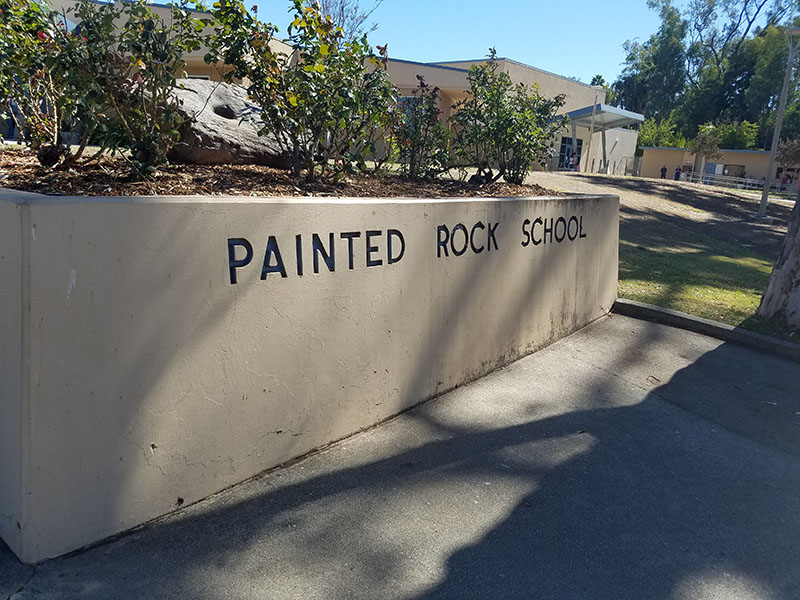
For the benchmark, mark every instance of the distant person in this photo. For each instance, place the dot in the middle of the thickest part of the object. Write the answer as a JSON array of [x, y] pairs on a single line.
[[664, 172], [572, 164], [677, 173]]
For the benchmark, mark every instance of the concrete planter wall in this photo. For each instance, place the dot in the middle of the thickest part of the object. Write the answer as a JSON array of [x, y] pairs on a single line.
[[148, 358]]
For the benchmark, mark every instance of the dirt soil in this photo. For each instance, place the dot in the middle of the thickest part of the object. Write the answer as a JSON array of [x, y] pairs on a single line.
[[21, 171]]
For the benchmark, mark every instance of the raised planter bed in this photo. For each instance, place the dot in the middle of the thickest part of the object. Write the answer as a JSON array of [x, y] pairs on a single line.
[[155, 350]]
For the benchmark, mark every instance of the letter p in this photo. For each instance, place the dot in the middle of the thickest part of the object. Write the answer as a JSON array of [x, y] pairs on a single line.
[[233, 263]]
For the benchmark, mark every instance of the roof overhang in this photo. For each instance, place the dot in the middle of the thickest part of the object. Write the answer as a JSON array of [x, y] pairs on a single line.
[[605, 117]]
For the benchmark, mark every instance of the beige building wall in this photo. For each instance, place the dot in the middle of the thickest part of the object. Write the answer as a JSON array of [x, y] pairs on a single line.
[[452, 82], [578, 95], [196, 68], [157, 381], [620, 151], [655, 158], [755, 163]]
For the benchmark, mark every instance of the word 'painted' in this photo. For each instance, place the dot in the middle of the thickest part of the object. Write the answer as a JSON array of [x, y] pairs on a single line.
[[379, 248], [459, 239], [548, 231]]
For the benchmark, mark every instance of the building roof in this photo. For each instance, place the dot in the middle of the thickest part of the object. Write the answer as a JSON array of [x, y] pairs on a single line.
[[605, 117], [521, 64], [431, 65], [727, 150]]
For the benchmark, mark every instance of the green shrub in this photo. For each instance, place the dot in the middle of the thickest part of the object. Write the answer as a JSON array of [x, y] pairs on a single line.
[[324, 102], [134, 57], [40, 89], [503, 125], [422, 140], [111, 78]]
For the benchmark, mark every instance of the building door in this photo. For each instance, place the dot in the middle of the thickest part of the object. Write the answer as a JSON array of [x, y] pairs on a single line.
[[565, 152]]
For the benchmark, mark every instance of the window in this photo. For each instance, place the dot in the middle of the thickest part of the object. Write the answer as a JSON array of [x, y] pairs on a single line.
[[734, 171]]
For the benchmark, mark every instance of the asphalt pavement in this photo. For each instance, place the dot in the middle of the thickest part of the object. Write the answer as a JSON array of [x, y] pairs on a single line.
[[629, 460]]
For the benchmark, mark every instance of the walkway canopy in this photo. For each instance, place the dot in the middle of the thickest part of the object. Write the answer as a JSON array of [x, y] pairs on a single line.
[[605, 117], [600, 118]]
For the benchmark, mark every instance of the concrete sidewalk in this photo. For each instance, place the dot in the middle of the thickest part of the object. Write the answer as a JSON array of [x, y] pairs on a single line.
[[630, 460]]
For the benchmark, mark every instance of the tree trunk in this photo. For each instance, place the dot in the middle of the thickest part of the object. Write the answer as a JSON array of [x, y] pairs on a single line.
[[781, 301]]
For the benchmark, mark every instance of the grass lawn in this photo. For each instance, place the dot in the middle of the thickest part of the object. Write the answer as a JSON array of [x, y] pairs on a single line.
[[673, 264], [691, 247]]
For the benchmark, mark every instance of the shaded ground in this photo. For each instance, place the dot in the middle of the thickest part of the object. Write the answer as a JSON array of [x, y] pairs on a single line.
[[630, 460], [718, 213], [691, 247]]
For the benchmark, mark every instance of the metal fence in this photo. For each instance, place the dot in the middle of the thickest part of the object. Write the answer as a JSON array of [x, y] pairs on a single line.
[[788, 189]]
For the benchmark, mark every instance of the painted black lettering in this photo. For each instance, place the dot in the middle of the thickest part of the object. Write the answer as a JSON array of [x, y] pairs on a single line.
[[268, 267], [491, 239], [298, 248], [327, 255], [572, 220], [372, 262], [563, 222], [548, 230], [478, 225], [527, 239], [533, 227], [389, 235], [350, 236], [441, 244], [233, 263], [459, 227], [583, 235]]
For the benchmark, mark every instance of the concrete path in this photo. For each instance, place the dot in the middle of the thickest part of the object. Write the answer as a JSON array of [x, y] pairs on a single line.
[[630, 460]]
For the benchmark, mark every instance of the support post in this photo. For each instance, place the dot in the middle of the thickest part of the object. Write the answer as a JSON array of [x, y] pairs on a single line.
[[591, 134], [605, 158]]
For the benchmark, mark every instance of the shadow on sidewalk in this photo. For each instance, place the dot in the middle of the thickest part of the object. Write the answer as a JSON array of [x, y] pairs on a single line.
[[625, 495]]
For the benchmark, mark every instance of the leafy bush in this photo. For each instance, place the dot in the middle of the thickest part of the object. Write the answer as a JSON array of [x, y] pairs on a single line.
[[39, 87], [135, 57], [422, 140], [111, 78], [324, 102], [504, 125]]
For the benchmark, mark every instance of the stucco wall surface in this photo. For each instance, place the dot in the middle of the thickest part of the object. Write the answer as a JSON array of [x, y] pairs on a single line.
[[155, 380], [11, 391]]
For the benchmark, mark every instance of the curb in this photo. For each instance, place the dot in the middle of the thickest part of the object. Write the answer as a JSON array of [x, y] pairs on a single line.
[[674, 318]]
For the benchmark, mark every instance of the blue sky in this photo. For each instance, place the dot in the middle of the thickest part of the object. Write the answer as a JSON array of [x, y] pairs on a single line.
[[577, 38]]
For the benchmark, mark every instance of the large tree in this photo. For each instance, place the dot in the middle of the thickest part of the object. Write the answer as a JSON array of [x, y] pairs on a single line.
[[713, 61], [781, 301], [350, 15], [654, 77]]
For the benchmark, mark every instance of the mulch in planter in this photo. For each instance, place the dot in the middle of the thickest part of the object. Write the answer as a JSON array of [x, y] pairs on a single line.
[[21, 171]]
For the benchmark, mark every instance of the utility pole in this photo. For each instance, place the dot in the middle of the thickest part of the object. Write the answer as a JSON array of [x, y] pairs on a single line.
[[762, 209]]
